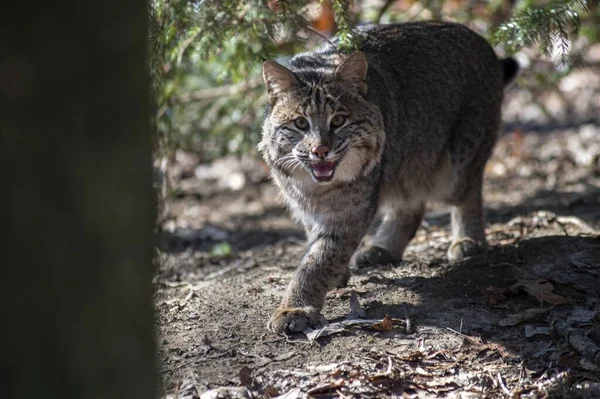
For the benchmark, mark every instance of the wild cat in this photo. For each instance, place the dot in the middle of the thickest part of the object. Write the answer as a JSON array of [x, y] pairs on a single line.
[[412, 116]]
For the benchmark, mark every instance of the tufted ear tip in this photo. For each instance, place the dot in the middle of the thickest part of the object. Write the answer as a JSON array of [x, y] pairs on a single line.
[[353, 69], [277, 77]]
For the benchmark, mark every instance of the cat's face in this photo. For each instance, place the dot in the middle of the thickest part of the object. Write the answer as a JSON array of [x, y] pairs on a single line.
[[325, 128]]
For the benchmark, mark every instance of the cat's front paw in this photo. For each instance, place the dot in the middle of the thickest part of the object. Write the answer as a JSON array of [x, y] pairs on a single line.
[[290, 320], [374, 255], [464, 247]]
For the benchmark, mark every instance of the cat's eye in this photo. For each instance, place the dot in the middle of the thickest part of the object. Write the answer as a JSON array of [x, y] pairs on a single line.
[[338, 120], [301, 123]]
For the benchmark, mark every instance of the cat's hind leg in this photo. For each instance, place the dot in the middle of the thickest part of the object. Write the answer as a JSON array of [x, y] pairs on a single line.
[[468, 224], [398, 226]]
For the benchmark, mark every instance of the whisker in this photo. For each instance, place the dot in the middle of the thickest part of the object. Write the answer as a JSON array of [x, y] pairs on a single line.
[[288, 163], [284, 158], [299, 164]]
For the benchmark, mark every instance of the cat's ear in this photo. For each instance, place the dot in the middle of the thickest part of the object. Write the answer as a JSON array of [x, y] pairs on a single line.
[[277, 78], [354, 70]]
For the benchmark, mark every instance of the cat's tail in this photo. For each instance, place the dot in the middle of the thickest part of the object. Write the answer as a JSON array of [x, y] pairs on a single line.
[[510, 66]]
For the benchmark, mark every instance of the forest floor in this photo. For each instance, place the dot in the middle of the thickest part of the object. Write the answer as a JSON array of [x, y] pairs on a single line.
[[521, 320]]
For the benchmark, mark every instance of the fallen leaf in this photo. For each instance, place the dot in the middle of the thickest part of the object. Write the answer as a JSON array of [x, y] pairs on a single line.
[[336, 373], [245, 375], [324, 368], [493, 295], [595, 332], [588, 364], [529, 314], [586, 260], [293, 394], [341, 326], [323, 331], [265, 360], [531, 331], [225, 392], [270, 391], [581, 316], [541, 290], [499, 348], [413, 356], [385, 325], [327, 387], [570, 360], [471, 340]]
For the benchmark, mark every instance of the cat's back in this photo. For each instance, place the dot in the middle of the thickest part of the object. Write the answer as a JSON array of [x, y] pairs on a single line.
[[422, 35], [431, 48], [415, 57]]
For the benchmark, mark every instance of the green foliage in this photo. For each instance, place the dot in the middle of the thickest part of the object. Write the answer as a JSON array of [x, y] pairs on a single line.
[[346, 41], [200, 45], [222, 250], [550, 27]]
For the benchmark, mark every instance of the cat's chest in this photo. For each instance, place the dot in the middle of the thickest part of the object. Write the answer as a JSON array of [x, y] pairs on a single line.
[[322, 205]]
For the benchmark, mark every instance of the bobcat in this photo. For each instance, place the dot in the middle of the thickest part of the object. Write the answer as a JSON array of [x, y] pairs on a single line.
[[412, 116]]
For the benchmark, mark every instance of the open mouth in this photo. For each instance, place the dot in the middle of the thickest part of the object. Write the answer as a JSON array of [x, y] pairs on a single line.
[[322, 170]]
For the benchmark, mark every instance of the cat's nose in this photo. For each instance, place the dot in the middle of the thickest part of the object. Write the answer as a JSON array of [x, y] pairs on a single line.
[[320, 151]]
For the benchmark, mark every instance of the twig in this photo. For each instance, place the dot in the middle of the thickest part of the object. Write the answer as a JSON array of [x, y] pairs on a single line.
[[472, 340], [386, 372], [187, 298], [195, 383], [322, 36], [502, 385], [177, 389], [323, 388], [216, 92], [455, 332], [577, 222], [419, 7], [406, 318], [383, 10], [176, 284], [225, 270], [187, 42], [341, 394], [577, 340], [194, 360]]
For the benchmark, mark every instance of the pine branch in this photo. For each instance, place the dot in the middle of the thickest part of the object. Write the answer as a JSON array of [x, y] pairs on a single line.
[[551, 28], [217, 92], [346, 40]]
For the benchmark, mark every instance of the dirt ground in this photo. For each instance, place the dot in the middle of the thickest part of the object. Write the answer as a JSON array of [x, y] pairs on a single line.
[[521, 320]]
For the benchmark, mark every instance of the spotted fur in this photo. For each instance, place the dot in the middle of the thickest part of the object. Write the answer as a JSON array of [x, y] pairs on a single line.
[[420, 104]]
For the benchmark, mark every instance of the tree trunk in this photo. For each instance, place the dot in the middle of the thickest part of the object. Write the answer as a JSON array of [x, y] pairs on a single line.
[[77, 201]]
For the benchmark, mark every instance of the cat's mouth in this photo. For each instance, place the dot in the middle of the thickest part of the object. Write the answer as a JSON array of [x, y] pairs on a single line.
[[322, 171]]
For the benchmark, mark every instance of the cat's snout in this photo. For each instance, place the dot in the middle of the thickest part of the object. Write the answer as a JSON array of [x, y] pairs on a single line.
[[320, 151]]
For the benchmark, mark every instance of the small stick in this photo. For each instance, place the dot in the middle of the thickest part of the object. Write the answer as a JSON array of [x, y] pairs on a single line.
[[406, 317], [387, 372], [341, 394], [389, 369], [502, 385], [577, 222]]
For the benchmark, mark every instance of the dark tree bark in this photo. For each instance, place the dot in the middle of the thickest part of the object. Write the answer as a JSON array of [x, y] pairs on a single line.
[[77, 201]]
